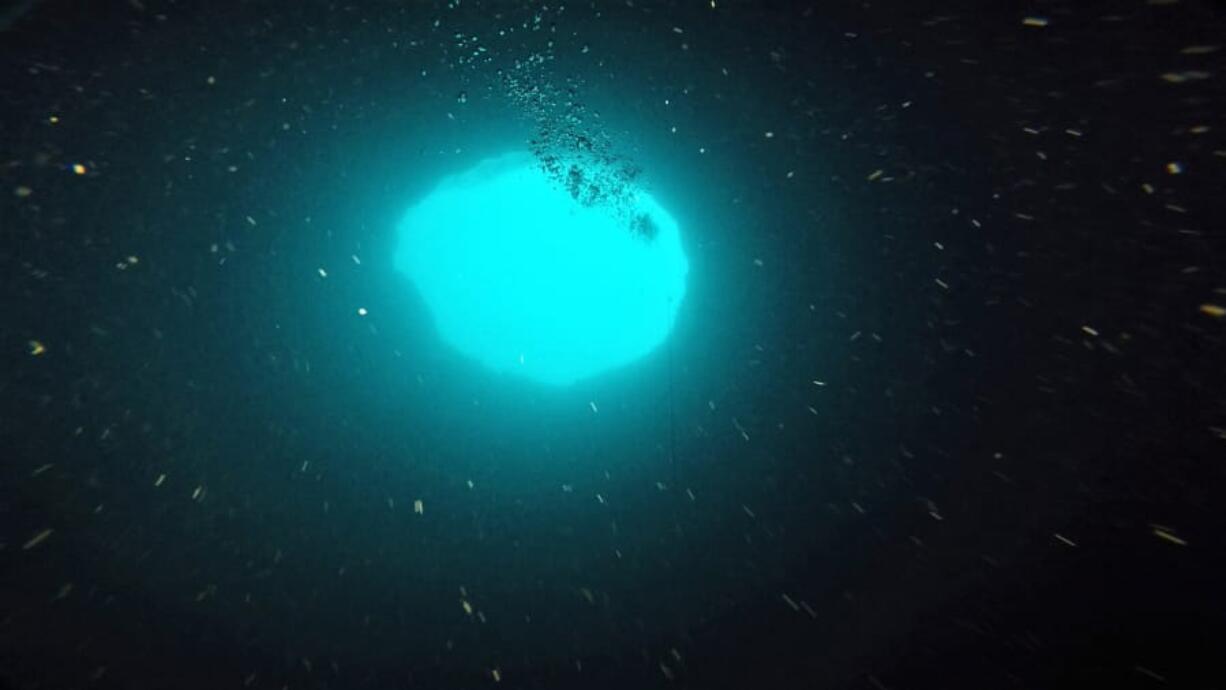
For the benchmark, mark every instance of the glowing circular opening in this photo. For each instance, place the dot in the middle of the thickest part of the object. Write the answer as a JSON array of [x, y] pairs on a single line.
[[555, 277]]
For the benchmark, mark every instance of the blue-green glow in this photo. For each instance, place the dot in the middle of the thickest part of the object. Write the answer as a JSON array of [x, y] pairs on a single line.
[[529, 277]]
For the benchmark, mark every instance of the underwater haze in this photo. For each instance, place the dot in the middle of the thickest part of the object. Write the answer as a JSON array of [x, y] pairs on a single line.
[[630, 344]]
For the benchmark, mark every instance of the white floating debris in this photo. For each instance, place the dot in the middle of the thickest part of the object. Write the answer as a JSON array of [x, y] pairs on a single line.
[[788, 600], [37, 539], [592, 404], [323, 273], [160, 480], [740, 429], [1165, 534], [1184, 77], [362, 311], [419, 507]]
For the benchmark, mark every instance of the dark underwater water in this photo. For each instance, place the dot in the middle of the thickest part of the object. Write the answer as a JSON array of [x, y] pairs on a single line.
[[943, 406]]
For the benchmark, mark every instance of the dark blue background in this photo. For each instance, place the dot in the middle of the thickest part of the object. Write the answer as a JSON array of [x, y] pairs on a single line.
[[915, 512]]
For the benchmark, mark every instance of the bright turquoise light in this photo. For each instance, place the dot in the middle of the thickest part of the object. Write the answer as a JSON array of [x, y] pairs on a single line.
[[526, 274]]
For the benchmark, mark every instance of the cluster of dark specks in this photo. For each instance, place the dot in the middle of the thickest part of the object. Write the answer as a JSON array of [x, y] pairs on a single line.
[[576, 155], [644, 227]]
